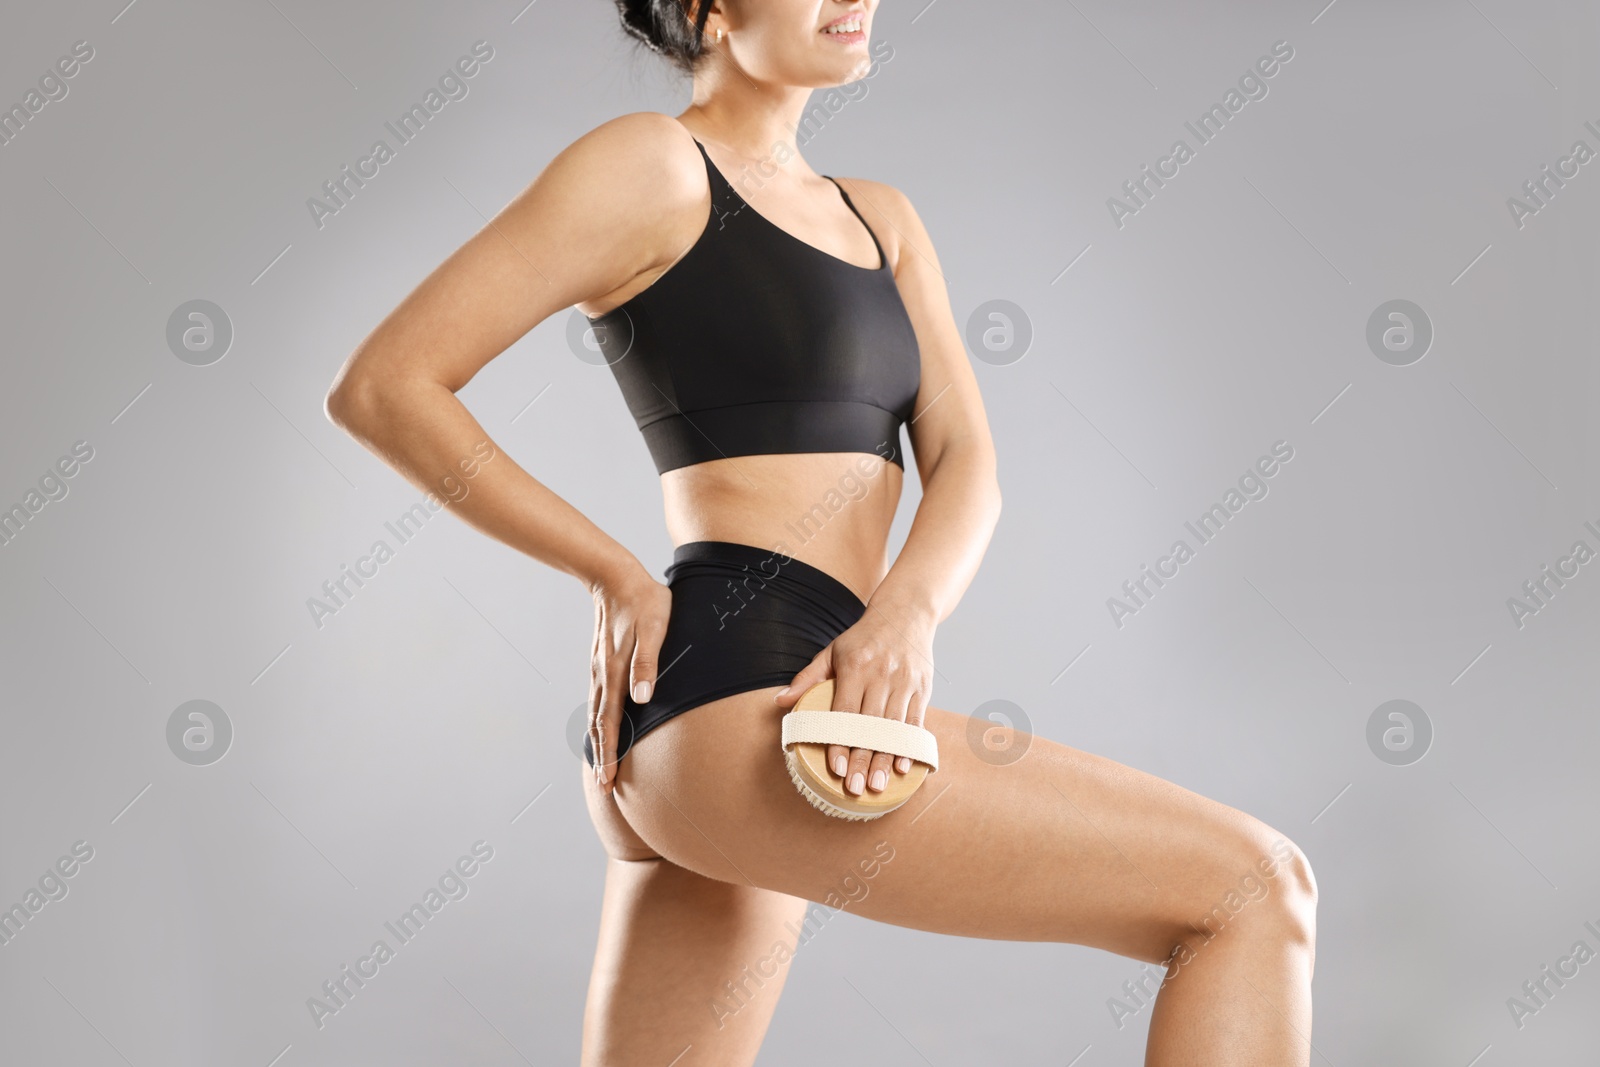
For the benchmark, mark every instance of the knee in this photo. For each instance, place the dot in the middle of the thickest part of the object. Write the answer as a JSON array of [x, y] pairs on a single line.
[[1287, 895], [1264, 884], [1296, 890]]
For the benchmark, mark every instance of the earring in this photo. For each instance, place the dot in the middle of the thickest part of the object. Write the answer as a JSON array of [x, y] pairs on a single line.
[[719, 34]]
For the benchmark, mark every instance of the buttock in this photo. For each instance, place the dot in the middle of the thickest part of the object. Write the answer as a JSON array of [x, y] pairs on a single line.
[[742, 618]]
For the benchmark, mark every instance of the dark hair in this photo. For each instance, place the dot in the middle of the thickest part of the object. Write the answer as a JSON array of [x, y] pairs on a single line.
[[663, 26]]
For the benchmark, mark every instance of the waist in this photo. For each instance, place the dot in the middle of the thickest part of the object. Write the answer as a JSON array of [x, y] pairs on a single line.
[[831, 510], [679, 438]]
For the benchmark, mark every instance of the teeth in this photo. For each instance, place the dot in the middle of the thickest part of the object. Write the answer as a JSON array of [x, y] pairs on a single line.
[[844, 27]]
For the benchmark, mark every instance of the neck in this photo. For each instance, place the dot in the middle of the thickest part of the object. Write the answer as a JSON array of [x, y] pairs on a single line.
[[758, 122]]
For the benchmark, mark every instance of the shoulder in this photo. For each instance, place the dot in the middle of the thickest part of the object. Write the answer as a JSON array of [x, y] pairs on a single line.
[[884, 199], [628, 196], [639, 133], [890, 212], [644, 153]]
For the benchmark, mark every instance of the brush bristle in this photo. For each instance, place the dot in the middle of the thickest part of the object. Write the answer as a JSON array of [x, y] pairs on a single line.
[[821, 803]]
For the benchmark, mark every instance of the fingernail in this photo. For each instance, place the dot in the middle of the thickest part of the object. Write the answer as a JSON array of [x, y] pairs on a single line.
[[840, 765], [856, 781], [784, 691], [903, 765], [879, 779], [641, 692]]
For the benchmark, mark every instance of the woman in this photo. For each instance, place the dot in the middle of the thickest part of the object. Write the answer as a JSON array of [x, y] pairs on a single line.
[[770, 349]]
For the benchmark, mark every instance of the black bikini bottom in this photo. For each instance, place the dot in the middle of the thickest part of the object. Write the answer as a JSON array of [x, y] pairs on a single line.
[[742, 618]]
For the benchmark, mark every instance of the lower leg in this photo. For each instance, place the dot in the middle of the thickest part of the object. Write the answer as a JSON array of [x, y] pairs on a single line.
[[1240, 994]]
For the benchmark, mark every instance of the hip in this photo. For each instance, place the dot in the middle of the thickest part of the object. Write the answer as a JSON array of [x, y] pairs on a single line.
[[742, 618]]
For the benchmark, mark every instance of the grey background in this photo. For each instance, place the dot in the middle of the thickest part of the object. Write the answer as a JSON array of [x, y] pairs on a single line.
[[1226, 315]]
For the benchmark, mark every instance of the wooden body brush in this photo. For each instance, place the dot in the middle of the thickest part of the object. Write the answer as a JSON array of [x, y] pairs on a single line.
[[811, 726]]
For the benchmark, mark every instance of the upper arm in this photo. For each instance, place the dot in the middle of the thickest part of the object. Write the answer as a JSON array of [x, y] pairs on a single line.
[[613, 204], [949, 409]]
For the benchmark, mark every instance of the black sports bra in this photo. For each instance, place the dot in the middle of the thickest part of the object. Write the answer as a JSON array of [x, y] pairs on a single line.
[[755, 342]]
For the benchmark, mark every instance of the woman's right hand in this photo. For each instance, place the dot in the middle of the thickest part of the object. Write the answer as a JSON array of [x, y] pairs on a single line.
[[630, 622]]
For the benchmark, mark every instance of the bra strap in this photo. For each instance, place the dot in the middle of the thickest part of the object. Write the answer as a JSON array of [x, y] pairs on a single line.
[[715, 177], [883, 257]]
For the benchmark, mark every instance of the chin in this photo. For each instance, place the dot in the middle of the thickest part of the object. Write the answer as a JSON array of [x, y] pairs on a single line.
[[843, 72]]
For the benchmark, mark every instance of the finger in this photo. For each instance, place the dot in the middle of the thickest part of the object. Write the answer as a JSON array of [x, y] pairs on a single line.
[[899, 707], [875, 697], [592, 727], [646, 657], [917, 713], [847, 694], [849, 689], [616, 679], [600, 734], [603, 720], [878, 771], [856, 781], [846, 697], [819, 669], [838, 755], [606, 730], [871, 703], [917, 709]]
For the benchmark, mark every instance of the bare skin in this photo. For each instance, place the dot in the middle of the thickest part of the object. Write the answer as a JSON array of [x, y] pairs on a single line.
[[713, 855]]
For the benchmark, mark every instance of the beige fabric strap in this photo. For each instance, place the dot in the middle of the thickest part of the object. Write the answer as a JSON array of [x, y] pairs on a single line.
[[854, 730]]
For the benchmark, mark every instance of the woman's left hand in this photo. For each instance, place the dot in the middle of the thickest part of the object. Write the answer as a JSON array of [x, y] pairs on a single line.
[[879, 666]]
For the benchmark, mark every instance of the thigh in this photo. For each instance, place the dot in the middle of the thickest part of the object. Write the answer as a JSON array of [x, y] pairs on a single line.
[[1059, 845], [687, 969]]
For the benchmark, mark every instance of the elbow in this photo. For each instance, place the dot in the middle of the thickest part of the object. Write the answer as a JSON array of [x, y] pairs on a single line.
[[339, 407], [346, 402], [976, 469], [991, 473]]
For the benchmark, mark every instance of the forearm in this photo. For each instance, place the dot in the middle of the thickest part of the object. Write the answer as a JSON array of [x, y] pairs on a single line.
[[423, 431], [949, 535]]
